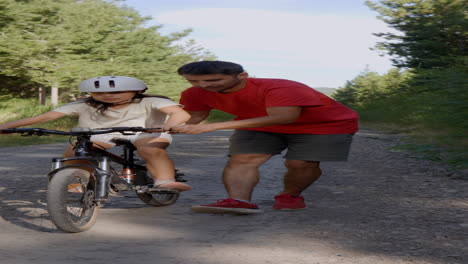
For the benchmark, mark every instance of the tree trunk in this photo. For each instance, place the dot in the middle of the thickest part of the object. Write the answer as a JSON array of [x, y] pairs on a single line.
[[42, 95], [54, 96]]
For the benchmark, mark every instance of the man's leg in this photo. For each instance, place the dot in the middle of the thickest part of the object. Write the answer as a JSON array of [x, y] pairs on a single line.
[[240, 177], [241, 174], [300, 175]]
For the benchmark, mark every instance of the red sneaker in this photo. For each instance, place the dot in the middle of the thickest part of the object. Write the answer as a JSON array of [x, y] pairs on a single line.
[[227, 206], [289, 202]]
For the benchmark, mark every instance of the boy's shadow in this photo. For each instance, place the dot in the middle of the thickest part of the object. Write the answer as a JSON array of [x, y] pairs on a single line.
[[25, 205]]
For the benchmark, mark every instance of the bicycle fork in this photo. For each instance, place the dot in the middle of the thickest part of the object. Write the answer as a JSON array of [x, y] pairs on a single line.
[[102, 172], [103, 179]]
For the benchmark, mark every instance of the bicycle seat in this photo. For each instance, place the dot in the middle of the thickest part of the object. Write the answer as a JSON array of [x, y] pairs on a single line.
[[122, 142]]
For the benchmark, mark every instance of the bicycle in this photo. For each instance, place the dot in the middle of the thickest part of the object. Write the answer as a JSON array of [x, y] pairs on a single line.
[[76, 191]]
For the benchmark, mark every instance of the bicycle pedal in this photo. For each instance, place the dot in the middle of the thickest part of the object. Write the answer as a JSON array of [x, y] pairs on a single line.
[[161, 191]]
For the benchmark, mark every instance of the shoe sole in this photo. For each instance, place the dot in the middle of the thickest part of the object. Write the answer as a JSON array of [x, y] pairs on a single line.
[[289, 209], [224, 210]]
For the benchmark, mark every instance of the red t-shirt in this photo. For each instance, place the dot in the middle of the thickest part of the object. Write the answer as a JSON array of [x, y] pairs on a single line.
[[320, 114]]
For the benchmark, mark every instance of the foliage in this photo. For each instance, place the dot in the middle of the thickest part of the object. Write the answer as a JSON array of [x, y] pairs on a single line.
[[369, 87], [15, 108], [425, 97], [431, 33], [406, 103], [218, 116], [61, 42]]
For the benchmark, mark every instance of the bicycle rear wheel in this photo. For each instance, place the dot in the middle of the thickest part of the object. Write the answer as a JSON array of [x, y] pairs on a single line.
[[70, 197], [159, 198], [156, 198]]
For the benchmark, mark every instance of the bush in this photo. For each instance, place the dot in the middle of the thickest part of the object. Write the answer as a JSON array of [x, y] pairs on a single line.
[[13, 109]]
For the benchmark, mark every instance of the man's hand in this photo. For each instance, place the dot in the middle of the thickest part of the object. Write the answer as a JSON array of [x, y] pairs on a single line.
[[154, 130], [193, 129]]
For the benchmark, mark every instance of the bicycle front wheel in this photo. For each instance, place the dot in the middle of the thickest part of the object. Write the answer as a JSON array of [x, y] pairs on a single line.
[[70, 200]]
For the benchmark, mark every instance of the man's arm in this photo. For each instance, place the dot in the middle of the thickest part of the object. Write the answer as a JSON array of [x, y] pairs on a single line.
[[276, 116]]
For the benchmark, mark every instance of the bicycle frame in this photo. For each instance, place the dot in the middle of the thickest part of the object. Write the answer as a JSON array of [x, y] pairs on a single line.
[[77, 185], [100, 159]]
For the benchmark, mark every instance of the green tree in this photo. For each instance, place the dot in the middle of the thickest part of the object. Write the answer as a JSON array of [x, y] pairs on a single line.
[[370, 87], [58, 43], [431, 33]]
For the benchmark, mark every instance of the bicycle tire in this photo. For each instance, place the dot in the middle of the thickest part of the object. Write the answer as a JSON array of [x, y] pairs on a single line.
[[70, 203], [157, 199]]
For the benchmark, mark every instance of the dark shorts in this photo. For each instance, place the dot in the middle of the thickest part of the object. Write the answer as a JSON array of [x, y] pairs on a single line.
[[299, 146]]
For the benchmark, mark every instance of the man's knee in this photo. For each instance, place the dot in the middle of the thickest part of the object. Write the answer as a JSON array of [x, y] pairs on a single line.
[[301, 164]]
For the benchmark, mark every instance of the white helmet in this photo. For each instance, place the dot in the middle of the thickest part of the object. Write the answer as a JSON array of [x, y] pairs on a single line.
[[112, 84]]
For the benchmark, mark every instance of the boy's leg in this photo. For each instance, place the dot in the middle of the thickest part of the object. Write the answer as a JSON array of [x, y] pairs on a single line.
[[68, 153], [158, 162]]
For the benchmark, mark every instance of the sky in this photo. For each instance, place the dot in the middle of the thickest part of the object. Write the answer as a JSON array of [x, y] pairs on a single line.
[[321, 43]]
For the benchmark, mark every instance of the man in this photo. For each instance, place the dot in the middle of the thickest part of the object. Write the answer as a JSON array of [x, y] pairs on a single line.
[[271, 115]]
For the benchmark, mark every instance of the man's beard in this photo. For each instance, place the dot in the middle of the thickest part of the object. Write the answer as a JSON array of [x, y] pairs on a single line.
[[234, 83]]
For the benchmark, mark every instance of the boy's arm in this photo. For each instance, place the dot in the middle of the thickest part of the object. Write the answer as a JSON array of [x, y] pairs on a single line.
[[46, 117], [176, 114], [197, 116]]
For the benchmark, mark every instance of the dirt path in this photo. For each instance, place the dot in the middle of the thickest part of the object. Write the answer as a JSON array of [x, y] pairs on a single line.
[[381, 207]]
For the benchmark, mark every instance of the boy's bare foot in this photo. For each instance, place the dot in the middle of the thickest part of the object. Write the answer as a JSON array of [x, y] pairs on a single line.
[[172, 185]]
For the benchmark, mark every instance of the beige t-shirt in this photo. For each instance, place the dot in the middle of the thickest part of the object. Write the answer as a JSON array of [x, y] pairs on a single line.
[[140, 114]]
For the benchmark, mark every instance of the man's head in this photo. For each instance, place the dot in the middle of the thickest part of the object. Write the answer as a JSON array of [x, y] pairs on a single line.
[[214, 76], [210, 67]]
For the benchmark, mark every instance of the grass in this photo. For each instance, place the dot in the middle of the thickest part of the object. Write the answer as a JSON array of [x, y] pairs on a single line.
[[17, 140], [13, 109], [446, 145], [434, 123]]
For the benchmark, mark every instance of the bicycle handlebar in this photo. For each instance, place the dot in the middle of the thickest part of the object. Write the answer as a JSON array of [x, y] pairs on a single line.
[[79, 131]]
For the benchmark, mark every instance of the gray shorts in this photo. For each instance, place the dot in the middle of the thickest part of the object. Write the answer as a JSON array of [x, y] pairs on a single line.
[[308, 147]]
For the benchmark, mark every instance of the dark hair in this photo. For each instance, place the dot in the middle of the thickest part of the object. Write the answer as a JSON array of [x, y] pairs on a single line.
[[101, 107], [210, 67]]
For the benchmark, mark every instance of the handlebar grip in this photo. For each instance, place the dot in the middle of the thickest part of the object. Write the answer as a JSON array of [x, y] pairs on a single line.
[[17, 130]]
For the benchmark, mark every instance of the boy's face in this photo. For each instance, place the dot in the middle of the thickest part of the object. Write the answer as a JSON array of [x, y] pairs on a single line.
[[113, 97], [221, 83]]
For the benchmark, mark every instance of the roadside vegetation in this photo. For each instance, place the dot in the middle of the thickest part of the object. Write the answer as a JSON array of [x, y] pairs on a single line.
[[47, 47], [17, 108], [425, 96]]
